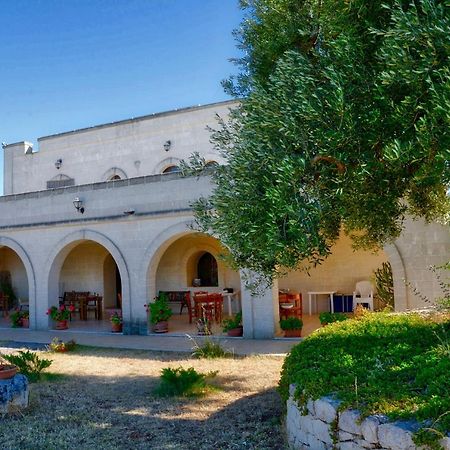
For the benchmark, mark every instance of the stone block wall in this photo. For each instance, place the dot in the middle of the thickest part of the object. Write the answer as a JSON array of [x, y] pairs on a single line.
[[322, 426]]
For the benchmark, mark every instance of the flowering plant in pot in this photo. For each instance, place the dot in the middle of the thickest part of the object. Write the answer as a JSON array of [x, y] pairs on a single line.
[[6, 370], [60, 315], [116, 322], [19, 318], [292, 326], [233, 327], [160, 313]]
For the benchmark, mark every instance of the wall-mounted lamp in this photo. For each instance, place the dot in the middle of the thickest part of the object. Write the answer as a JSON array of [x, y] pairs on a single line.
[[58, 163], [129, 212], [167, 145], [78, 205]]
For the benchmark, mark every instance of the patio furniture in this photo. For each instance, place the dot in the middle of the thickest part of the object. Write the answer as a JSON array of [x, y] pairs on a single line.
[[291, 305], [182, 297], [312, 295], [4, 304], [204, 305], [363, 294], [231, 296], [94, 303], [217, 299]]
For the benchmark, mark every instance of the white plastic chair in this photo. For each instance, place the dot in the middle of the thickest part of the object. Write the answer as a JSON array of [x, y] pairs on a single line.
[[363, 294]]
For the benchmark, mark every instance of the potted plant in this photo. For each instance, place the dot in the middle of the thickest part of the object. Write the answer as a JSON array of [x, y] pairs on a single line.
[[6, 370], [328, 317], [60, 315], [233, 327], [160, 313], [19, 319], [292, 326], [116, 322]]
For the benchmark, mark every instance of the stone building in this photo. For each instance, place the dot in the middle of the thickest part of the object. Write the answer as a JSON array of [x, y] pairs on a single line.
[[103, 209]]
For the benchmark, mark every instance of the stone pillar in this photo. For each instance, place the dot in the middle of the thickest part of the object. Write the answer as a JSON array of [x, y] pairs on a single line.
[[260, 311]]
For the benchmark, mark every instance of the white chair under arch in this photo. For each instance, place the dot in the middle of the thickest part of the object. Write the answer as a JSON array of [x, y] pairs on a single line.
[[363, 294]]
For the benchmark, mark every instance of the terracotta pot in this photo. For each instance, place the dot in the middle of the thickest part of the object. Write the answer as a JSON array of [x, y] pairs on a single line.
[[293, 333], [25, 323], [7, 371], [61, 325], [235, 332], [116, 327], [161, 327]]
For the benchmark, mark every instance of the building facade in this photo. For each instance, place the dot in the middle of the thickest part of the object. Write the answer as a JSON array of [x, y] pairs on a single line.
[[104, 210]]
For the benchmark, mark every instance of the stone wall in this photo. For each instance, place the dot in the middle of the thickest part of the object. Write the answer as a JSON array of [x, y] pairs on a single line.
[[322, 426]]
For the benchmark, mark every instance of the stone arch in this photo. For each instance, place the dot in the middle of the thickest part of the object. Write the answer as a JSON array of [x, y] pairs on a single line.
[[59, 253], [14, 245], [113, 173], [165, 163], [401, 293], [155, 251]]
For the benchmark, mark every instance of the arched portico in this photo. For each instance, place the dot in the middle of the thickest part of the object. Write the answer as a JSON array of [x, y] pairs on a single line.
[[65, 246], [31, 278]]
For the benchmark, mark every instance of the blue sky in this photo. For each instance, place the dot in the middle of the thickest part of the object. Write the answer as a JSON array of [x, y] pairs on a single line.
[[68, 64]]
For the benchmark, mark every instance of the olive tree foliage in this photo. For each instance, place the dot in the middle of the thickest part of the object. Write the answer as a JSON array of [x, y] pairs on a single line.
[[343, 124]]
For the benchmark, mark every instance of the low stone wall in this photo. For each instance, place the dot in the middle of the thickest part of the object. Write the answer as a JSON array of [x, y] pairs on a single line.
[[13, 394], [322, 426]]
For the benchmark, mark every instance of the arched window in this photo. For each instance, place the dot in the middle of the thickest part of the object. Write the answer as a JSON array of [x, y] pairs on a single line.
[[115, 177], [211, 164], [171, 169], [207, 270]]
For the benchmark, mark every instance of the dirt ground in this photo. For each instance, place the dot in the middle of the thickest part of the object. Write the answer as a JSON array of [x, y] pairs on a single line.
[[103, 399]]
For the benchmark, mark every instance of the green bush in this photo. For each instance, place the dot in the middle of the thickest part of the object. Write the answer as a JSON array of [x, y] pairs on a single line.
[[183, 382], [328, 317], [234, 322], [29, 364], [210, 350], [291, 323], [392, 364]]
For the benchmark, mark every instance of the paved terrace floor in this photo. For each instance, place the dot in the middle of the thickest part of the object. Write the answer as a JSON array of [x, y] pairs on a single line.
[[165, 343]]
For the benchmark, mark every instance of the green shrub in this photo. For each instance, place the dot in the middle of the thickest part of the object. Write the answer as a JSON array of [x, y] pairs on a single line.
[[59, 346], [328, 317], [384, 283], [29, 364], [183, 382], [391, 364], [210, 350], [234, 322], [291, 323]]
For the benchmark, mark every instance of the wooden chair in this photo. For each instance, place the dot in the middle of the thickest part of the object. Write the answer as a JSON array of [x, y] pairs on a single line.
[[4, 304], [217, 299], [202, 305]]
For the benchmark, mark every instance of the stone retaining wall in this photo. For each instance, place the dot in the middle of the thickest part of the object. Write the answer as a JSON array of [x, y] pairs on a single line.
[[321, 426]]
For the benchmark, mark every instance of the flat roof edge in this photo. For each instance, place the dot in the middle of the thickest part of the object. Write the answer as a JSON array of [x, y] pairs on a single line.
[[135, 119]]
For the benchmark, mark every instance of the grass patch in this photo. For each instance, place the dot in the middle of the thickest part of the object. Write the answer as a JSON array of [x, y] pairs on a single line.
[[181, 382], [397, 365], [209, 350]]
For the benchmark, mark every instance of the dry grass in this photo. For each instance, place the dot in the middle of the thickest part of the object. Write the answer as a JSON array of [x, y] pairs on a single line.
[[102, 399]]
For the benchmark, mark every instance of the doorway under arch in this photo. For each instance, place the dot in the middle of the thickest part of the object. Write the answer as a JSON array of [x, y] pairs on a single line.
[[86, 266], [14, 284]]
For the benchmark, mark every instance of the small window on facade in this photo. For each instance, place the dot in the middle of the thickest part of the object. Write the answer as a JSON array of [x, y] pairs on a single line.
[[207, 270], [115, 177], [171, 169], [211, 164]]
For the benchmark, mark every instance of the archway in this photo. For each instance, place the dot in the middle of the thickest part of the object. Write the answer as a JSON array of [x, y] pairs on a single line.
[[87, 261], [174, 267], [17, 281]]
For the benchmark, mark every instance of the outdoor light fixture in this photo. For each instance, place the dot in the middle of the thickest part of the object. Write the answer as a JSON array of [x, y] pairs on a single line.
[[167, 145], [78, 205], [58, 163]]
